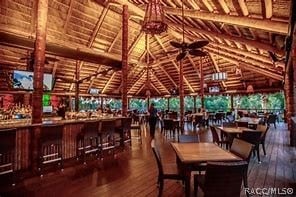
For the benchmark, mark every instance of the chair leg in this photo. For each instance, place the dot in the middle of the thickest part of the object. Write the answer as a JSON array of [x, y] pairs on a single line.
[[195, 185], [263, 147], [160, 188], [245, 180], [258, 154]]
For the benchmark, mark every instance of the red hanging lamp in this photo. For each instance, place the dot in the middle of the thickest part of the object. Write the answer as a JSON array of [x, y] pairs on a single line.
[[154, 18]]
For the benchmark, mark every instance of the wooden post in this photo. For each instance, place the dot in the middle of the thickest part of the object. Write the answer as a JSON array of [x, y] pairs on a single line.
[[102, 103], [148, 103], [77, 76], [124, 58], [168, 103], [194, 104], [42, 9], [201, 84], [27, 99], [181, 92], [231, 102]]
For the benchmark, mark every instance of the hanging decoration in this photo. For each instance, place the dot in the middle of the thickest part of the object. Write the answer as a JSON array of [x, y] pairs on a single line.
[[154, 18]]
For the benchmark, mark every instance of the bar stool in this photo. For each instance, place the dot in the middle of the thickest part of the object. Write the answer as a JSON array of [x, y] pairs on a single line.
[[51, 137], [88, 140], [106, 134], [7, 152], [126, 129]]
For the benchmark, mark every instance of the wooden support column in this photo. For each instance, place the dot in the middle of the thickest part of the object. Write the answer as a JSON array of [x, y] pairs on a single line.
[[42, 9], [27, 99], [148, 103], [124, 58], [194, 103], [181, 91], [77, 76], [231, 102], [201, 84], [102, 103], [70, 103], [289, 95], [168, 103]]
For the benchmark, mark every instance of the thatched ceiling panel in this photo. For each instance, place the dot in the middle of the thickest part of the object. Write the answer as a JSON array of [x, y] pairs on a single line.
[[281, 8], [78, 21], [254, 7]]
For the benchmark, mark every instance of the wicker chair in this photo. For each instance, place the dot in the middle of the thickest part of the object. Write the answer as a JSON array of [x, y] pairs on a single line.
[[164, 171], [7, 153], [221, 179], [243, 150]]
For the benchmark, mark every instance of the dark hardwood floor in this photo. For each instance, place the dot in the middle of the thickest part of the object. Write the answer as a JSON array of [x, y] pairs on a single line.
[[134, 171]]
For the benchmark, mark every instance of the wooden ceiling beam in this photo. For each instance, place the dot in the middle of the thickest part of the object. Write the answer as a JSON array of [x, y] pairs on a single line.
[[68, 14], [93, 79], [266, 25], [135, 42], [137, 80], [194, 66], [169, 76], [244, 41], [208, 6], [155, 88]]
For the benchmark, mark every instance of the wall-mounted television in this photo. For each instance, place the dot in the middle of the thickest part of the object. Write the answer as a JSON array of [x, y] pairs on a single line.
[[94, 91], [24, 80], [214, 89]]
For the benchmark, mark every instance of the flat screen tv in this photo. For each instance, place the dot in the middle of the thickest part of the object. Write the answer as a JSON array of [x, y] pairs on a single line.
[[214, 89], [94, 91], [24, 80]]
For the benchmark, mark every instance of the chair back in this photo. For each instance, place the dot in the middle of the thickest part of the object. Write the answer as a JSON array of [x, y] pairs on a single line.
[[168, 124], [214, 134], [242, 149], [252, 137], [7, 140], [52, 133], [188, 139], [242, 124], [224, 178], [157, 157], [271, 118], [107, 126], [264, 129], [90, 129]]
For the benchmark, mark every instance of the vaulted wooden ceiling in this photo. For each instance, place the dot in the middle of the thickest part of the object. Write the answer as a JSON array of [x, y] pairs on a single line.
[[240, 32]]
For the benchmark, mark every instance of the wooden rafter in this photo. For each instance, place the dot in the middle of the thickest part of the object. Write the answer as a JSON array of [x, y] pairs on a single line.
[[93, 79], [108, 82], [266, 25], [266, 8], [208, 6], [167, 74], [216, 68], [136, 41], [253, 43], [239, 61], [243, 7], [68, 14], [193, 65], [174, 63], [163, 86], [137, 80], [224, 6]]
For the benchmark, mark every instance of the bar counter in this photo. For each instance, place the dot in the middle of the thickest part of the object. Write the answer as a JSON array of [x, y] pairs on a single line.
[[24, 137]]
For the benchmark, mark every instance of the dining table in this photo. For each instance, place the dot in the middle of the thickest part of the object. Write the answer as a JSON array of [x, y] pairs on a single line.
[[189, 154]]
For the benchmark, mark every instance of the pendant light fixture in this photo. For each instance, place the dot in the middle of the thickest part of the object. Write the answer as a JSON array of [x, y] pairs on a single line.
[[154, 18]]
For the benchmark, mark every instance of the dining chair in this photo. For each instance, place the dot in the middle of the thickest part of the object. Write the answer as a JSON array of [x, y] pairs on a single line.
[[51, 137], [272, 120], [188, 138], [165, 171], [8, 153], [216, 138], [242, 124], [254, 138], [264, 129], [221, 179], [88, 140], [168, 126], [242, 149]]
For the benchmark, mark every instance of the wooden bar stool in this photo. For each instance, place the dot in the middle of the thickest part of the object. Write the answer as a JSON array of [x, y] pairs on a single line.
[[88, 140], [106, 134], [7, 153], [51, 146]]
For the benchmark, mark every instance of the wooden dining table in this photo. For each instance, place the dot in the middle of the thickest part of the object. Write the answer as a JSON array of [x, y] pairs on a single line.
[[251, 121], [234, 130], [195, 153]]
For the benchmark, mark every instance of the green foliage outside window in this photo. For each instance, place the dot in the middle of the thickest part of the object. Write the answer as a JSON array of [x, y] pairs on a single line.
[[139, 104], [175, 104], [160, 103], [217, 103]]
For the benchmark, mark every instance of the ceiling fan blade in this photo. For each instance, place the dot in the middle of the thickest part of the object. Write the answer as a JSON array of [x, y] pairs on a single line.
[[273, 56], [198, 44], [197, 52], [181, 56], [176, 44]]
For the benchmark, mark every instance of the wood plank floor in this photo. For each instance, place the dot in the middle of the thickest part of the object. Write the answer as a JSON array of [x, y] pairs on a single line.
[[134, 171]]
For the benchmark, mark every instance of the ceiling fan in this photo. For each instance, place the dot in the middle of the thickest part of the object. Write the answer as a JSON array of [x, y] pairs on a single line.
[[184, 48]]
